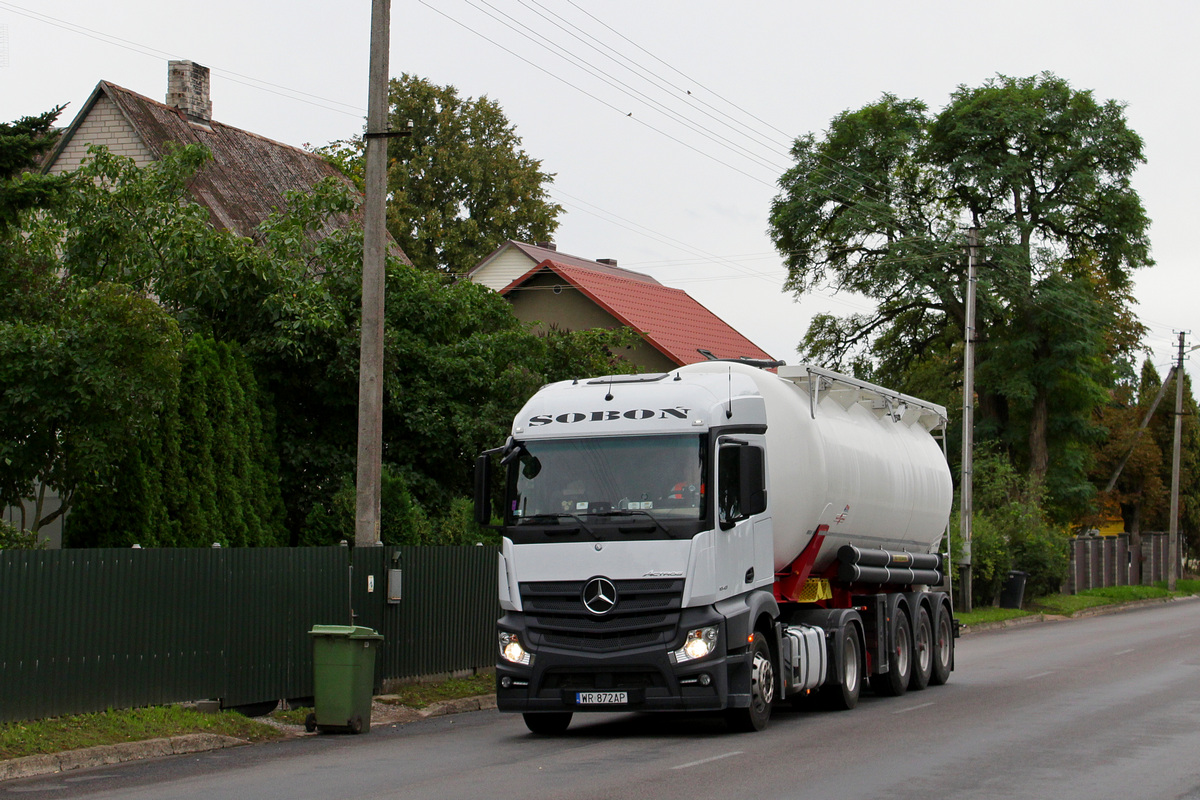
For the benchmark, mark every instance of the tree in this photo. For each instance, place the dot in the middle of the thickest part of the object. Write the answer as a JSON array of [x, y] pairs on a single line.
[[457, 361], [22, 145], [878, 207], [78, 388], [206, 473], [459, 185]]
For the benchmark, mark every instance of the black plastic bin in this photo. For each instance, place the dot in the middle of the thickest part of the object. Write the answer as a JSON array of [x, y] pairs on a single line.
[[1012, 593]]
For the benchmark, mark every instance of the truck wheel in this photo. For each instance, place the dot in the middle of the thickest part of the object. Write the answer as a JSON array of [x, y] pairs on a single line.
[[922, 651], [943, 648], [549, 724], [762, 690], [894, 682], [843, 696]]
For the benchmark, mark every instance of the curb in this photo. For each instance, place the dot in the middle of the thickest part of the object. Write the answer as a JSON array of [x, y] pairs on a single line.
[[102, 755], [459, 706]]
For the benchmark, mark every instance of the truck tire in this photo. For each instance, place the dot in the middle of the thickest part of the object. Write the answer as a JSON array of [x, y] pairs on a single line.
[[548, 724], [894, 682], [943, 648], [762, 690], [843, 695], [922, 651]]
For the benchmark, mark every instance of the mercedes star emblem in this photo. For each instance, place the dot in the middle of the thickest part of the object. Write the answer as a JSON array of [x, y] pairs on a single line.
[[599, 596]]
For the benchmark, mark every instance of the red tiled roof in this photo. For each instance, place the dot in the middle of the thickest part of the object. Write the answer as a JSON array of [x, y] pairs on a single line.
[[669, 319]]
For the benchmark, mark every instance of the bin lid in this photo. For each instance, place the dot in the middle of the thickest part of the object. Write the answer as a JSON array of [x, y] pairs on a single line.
[[345, 631]]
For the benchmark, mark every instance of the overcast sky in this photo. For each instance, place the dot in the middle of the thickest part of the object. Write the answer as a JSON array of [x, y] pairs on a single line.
[[669, 183]]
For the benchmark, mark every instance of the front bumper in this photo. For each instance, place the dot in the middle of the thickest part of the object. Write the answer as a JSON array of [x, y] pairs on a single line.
[[646, 674]]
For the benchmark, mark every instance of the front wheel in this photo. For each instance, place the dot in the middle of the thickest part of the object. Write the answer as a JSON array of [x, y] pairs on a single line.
[[548, 724], [762, 690]]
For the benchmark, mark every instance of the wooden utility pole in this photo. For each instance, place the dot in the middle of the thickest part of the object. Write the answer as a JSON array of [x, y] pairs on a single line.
[[1173, 535], [966, 504], [1135, 533], [370, 375]]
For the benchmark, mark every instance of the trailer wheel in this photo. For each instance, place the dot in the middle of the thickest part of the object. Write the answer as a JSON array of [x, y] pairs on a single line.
[[762, 690], [548, 724], [894, 682], [843, 696], [922, 651], [943, 648]]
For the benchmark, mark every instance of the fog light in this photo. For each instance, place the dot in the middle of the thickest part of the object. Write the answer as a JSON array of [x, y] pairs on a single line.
[[705, 679], [506, 682]]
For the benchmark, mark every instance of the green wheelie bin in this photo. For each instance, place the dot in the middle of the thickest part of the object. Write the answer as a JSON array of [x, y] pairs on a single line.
[[343, 677]]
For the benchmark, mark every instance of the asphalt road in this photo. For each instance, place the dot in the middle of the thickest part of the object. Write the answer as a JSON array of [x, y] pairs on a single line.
[[1104, 707]]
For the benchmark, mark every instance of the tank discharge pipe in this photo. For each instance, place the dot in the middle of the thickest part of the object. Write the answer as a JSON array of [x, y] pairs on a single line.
[[886, 566]]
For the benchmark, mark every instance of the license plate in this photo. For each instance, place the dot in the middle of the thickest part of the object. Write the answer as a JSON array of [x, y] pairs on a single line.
[[601, 698]]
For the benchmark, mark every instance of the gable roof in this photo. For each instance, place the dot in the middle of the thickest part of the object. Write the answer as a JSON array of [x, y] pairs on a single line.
[[669, 319], [248, 174]]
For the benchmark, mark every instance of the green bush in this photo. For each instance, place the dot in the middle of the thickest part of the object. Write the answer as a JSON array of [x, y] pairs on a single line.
[[1010, 531], [403, 521], [13, 538]]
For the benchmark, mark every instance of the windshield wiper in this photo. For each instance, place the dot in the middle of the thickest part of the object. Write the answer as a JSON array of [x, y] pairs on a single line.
[[555, 517], [627, 512]]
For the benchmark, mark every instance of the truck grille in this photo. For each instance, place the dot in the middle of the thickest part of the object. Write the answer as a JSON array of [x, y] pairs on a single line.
[[646, 613]]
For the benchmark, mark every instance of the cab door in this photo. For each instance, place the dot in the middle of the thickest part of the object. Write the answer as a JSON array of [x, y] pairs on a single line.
[[742, 534]]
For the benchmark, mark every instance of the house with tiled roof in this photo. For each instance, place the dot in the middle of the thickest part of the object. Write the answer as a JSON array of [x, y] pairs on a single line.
[[572, 293], [243, 183]]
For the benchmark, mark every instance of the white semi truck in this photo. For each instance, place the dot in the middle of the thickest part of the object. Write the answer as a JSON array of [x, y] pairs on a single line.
[[720, 537]]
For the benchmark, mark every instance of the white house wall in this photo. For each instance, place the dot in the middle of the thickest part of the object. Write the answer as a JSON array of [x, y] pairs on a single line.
[[103, 126], [504, 268]]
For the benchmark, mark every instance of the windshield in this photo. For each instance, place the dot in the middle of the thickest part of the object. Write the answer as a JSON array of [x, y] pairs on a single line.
[[660, 477]]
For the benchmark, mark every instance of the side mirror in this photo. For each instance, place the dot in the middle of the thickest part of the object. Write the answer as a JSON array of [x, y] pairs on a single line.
[[483, 487], [753, 490]]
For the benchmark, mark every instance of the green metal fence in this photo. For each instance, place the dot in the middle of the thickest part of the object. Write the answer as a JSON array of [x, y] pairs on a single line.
[[86, 630]]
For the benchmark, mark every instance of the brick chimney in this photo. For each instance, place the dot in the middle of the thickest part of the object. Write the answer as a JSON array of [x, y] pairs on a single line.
[[187, 90]]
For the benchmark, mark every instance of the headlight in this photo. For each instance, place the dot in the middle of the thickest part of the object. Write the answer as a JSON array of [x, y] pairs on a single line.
[[512, 651], [698, 644]]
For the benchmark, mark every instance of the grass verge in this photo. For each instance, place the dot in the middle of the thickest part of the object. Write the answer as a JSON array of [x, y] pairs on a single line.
[[1068, 604], [422, 695], [131, 725]]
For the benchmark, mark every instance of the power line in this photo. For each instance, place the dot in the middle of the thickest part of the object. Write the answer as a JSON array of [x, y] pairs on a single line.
[[152, 52]]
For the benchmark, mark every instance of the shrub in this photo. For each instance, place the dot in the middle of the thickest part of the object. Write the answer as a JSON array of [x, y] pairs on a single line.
[[403, 521], [13, 538]]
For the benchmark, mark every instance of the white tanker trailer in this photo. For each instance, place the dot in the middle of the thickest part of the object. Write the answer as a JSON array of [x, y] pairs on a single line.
[[718, 537]]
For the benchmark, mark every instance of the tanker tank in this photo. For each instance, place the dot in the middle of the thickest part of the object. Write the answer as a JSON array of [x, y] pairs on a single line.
[[851, 456]]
